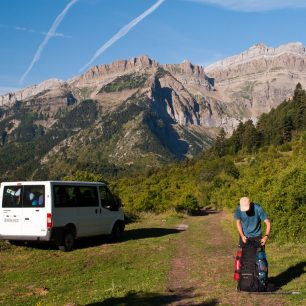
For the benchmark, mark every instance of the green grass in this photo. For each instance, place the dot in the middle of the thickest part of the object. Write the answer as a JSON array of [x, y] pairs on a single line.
[[94, 272], [136, 271]]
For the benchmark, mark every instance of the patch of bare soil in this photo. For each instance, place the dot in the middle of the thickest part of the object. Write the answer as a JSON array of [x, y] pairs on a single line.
[[202, 270]]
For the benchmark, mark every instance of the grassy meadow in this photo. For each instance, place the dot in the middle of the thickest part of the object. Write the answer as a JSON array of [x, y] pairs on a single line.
[[95, 271], [139, 269]]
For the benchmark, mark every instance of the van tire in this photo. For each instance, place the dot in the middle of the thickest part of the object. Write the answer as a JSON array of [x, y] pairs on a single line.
[[67, 242], [117, 231]]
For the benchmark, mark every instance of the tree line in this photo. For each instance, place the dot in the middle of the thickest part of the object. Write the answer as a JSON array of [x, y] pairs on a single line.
[[274, 128]]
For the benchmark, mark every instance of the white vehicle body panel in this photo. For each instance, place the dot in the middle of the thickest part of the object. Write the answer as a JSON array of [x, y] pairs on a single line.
[[23, 214]]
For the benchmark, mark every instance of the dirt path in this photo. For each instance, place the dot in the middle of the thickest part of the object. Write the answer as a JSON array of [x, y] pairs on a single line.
[[202, 271]]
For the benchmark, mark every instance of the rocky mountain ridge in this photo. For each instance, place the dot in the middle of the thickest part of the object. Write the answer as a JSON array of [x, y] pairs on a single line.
[[136, 110], [261, 77], [264, 53]]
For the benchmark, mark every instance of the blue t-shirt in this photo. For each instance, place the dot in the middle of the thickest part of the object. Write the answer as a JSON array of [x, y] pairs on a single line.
[[251, 220]]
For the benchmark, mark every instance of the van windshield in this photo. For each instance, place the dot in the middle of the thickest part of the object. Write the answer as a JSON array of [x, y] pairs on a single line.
[[23, 196]]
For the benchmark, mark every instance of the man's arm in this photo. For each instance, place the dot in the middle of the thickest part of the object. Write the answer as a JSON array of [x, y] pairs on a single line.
[[266, 236], [239, 228]]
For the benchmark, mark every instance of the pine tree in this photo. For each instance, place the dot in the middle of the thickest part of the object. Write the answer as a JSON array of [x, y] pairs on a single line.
[[236, 139], [220, 146], [299, 105], [250, 137], [286, 129]]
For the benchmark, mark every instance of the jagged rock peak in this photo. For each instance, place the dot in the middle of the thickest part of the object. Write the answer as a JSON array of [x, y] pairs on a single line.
[[258, 51], [187, 68], [120, 66], [261, 49]]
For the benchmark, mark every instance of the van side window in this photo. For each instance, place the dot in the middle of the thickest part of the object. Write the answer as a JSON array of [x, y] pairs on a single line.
[[34, 196], [107, 200], [12, 197], [88, 196], [75, 196], [65, 196], [24, 196]]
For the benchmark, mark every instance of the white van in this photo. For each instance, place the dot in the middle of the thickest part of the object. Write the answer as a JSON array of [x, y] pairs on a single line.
[[58, 211]]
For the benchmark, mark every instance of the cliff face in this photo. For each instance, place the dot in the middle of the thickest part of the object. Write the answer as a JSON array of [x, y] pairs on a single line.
[[260, 58], [261, 77], [140, 110]]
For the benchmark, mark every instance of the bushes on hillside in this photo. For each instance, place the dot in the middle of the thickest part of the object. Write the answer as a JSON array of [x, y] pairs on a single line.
[[188, 205], [278, 183], [270, 177]]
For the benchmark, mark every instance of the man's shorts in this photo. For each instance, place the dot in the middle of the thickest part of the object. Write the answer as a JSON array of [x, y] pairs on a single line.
[[257, 239]]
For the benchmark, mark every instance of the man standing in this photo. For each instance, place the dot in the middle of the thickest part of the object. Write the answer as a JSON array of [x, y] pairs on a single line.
[[248, 216], [253, 266]]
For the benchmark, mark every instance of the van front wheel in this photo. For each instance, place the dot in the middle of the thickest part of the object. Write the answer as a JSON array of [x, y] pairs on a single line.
[[117, 232], [67, 242]]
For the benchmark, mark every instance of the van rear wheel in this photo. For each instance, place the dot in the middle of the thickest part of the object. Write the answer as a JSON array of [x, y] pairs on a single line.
[[67, 242]]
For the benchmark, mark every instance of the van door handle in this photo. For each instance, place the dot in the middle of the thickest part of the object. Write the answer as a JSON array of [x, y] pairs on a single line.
[[36, 209], [96, 210], [26, 218]]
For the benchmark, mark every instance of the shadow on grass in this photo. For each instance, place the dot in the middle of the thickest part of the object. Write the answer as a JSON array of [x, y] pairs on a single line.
[[134, 234], [143, 233], [287, 276], [83, 243], [152, 299], [210, 212], [206, 212]]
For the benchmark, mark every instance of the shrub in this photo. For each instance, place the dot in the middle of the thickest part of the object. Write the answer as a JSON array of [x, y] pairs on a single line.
[[84, 176], [285, 147], [189, 205]]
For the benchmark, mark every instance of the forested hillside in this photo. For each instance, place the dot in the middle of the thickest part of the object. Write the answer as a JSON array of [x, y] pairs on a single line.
[[275, 128]]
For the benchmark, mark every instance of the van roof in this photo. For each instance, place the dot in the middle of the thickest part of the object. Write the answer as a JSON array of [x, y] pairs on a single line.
[[53, 182]]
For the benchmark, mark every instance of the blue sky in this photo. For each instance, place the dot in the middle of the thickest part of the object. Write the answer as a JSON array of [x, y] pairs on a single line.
[[43, 39]]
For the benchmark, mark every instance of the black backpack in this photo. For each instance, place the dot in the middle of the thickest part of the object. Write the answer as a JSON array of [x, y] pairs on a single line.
[[250, 279]]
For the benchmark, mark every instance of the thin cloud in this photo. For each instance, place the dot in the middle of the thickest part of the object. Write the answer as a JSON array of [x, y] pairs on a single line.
[[56, 34], [122, 32], [23, 29], [255, 5], [50, 34]]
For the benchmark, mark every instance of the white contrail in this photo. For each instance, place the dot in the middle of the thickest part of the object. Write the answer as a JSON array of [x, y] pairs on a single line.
[[123, 31], [50, 34]]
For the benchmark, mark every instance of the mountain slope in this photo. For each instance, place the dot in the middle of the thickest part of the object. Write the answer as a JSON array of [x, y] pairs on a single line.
[[138, 112], [261, 77]]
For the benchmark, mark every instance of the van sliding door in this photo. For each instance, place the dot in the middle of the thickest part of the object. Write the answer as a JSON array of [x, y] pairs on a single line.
[[88, 210]]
